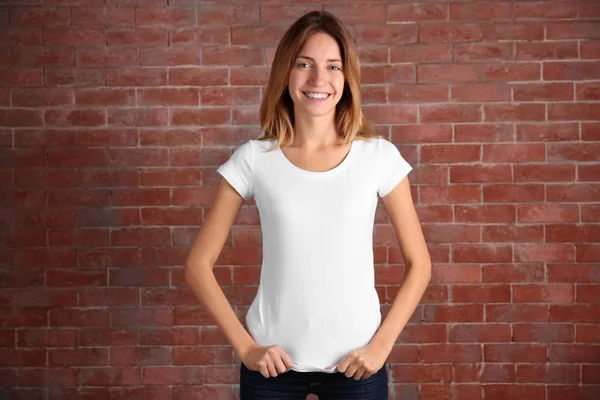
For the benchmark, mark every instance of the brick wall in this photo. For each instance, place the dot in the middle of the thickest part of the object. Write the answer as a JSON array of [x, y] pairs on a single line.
[[113, 120]]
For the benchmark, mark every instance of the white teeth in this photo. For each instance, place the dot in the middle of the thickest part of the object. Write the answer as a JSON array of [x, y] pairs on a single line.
[[317, 95]]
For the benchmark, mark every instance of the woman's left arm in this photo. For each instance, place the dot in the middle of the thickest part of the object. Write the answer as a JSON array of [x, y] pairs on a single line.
[[399, 205]]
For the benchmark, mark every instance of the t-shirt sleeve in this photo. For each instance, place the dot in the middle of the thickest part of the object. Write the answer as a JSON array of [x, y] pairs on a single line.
[[238, 170], [393, 167]]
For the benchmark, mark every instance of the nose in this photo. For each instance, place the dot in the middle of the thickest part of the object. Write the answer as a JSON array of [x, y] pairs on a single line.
[[317, 77]]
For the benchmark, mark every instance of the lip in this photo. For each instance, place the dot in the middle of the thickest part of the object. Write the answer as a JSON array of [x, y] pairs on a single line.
[[316, 100]]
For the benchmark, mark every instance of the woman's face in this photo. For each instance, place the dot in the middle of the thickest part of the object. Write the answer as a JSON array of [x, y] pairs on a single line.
[[317, 81]]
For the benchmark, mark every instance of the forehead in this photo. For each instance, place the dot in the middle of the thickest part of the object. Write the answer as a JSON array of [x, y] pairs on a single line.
[[321, 45]]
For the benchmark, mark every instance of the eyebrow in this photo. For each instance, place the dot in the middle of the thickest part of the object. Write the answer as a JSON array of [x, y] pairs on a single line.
[[312, 59]]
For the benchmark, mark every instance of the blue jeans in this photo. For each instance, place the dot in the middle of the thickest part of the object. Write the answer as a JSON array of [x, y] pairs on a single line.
[[293, 385]]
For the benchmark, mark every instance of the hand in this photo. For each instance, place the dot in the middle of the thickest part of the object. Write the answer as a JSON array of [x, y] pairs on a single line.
[[364, 362], [270, 361]]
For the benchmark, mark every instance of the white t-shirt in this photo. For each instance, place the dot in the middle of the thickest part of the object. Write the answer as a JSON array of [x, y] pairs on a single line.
[[316, 297]]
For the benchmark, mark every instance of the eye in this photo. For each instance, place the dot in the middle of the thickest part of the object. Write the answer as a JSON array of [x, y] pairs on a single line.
[[302, 64], [336, 68]]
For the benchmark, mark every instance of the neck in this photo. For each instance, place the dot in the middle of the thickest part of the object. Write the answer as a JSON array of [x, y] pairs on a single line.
[[315, 132]]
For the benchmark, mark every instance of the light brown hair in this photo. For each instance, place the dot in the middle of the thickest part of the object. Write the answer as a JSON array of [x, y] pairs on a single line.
[[277, 107]]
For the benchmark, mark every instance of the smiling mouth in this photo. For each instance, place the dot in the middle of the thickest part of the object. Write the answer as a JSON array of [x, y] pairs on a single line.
[[320, 96]]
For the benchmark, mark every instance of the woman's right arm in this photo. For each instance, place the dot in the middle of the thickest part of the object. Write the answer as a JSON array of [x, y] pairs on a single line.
[[199, 274]]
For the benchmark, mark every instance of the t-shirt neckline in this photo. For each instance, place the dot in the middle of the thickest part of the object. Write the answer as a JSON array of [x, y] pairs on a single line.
[[329, 172]]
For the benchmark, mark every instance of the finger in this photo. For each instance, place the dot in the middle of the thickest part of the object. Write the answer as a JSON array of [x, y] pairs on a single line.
[[287, 360], [263, 371], [279, 365], [359, 373], [272, 370], [351, 370], [343, 365]]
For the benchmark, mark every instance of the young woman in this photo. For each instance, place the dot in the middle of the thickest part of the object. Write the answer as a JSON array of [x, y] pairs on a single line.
[[315, 173]]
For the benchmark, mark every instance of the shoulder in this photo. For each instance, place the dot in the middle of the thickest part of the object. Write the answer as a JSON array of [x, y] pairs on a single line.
[[375, 146]]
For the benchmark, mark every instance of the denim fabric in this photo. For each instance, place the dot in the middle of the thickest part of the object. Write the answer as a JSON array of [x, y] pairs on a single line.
[[294, 385]]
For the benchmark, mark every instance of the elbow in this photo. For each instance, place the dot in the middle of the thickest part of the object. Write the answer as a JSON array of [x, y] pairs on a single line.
[[194, 269]]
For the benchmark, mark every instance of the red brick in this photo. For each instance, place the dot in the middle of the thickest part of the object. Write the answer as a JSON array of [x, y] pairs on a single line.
[[173, 375], [421, 53], [102, 17], [80, 394], [485, 373], [480, 11], [77, 357], [66, 277], [44, 377], [105, 97], [209, 35], [587, 293], [78, 318], [499, 392], [74, 77], [115, 297], [124, 356], [572, 30], [141, 197], [21, 37], [137, 77], [516, 312], [47, 337], [421, 373], [170, 336], [481, 253], [545, 50], [543, 92], [416, 12], [543, 332], [20, 118], [447, 73], [449, 32], [479, 333], [287, 14], [450, 113], [217, 14], [386, 34], [107, 337], [23, 317], [41, 97], [39, 16], [202, 355], [169, 56], [502, 72], [140, 393], [516, 273], [512, 31], [198, 76], [573, 353], [46, 298], [107, 57], [74, 36], [587, 333], [22, 357], [454, 313], [135, 276], [33, 56], [137, 37], [138, 117], [165, 16], [138, 157], [107, 257], [515, 352], [110, 376], [163, 256], [75, 117], [30, 77], [142, 317], [573, 70]]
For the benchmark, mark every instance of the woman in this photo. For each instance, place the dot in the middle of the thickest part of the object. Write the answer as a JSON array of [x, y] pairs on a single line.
[[316, 173]]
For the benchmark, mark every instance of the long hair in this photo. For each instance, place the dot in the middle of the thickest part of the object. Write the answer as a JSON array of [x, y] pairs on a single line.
[[277, 107]]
